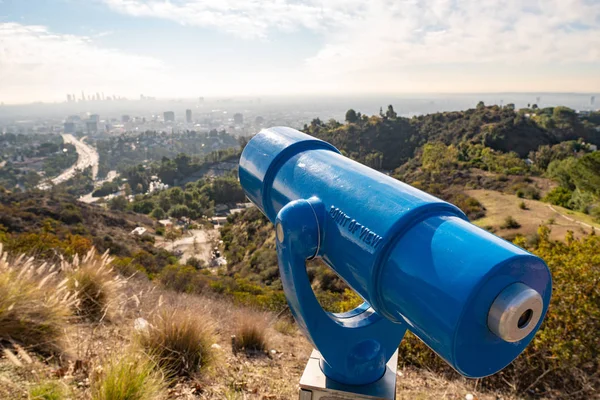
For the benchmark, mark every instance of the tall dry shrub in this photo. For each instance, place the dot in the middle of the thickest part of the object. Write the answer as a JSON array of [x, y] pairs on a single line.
[[97, 285], [35, 304], [179, 341]]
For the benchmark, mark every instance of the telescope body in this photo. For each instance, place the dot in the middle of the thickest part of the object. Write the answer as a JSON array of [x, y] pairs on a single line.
[[475, 299]]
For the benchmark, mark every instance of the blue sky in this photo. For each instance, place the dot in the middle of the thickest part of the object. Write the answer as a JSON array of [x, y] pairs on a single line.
[[188, 48]]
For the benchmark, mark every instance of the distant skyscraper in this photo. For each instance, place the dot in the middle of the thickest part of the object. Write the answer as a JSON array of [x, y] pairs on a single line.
[[91, 126], [238, 119], [200, 99], [125, 118], [169, 116], [82, 96], [69, 127], [188, 116], [95, 118], [68, 98]]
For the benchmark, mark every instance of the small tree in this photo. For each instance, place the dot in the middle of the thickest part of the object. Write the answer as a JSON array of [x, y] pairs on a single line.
[[180, 211], [158, 213], [118, 203], [390, 113], [351, 116]]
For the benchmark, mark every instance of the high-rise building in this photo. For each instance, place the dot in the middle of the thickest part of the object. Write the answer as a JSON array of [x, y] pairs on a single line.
[[188, 116], [95, 118], [68, 98], [169, 116], [91, 126], [82, 96], [238, 119], [125, 118], [69, 127]]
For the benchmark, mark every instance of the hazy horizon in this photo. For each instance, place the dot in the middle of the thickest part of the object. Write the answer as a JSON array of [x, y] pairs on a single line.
[[193, 48], [301, 109]]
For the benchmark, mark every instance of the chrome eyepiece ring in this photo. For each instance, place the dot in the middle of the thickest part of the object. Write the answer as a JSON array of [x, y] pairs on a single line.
[[515, 312]]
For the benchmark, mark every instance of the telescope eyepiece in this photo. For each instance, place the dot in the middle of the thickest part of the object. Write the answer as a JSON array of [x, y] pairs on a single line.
[[515, 312]]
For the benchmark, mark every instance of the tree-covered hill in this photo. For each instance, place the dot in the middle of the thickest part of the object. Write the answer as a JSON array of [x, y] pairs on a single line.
[[49, 225], [386, 141]]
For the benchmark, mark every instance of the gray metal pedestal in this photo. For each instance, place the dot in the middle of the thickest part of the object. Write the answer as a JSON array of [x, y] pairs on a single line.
[[314, 385]]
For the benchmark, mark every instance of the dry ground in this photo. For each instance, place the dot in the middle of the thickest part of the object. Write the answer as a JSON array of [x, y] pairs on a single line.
[[560, 220], [272, 376]]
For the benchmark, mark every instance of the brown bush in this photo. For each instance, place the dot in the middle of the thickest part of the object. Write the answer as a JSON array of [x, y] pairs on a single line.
[[34, 304], [97, 286], [250, 334], [178, 341]]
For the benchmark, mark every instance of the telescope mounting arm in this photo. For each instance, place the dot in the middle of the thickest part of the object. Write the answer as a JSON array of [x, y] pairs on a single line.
[[355, 346]]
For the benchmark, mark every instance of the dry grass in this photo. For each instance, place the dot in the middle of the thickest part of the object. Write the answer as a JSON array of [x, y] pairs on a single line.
[[179, 341], [500, 205], [97, 286], [224, 374], [251, 334], [49, 390], [285, 326], [34, 305], [132, 376]]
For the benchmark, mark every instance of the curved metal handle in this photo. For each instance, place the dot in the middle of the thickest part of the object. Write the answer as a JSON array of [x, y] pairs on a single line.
[[355, 346]]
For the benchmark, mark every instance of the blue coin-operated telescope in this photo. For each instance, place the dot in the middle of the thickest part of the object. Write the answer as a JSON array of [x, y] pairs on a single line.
[[475, 299]]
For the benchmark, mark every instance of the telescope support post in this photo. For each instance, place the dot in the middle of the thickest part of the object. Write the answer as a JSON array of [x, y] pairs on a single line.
[[314, 384]]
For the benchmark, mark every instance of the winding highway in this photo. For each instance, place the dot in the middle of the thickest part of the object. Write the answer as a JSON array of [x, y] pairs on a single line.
[[87, 157]]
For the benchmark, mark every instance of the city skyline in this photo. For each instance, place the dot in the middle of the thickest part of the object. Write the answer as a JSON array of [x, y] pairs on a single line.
[[191, 48]]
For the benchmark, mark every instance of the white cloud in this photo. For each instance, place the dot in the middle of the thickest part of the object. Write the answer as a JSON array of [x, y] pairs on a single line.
[[248, 18], [409, 33], [36, 63], [386, 41]]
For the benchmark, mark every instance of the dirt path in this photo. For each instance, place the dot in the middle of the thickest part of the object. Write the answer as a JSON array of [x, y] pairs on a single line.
[[195, 243], [570, 219]]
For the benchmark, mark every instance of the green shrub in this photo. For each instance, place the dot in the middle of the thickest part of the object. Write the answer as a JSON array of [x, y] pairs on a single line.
[[50, 390], [195, 262], [285, 326], [523, 206], [178, 341], [131, 377], [510, 223], [469, 205], [559, 196], [183, 278], [158, 213]]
